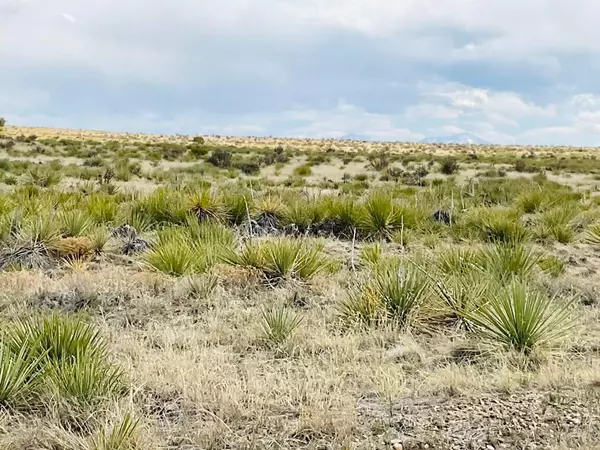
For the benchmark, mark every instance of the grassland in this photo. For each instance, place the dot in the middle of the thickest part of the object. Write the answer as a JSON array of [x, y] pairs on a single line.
[[181, 292]]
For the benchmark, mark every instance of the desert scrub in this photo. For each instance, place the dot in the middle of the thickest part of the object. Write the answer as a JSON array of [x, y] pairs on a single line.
[[303, 171]]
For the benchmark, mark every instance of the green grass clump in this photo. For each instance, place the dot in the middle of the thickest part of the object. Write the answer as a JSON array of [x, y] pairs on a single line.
[[507, 261], [278, 324], [552, 265], [378, 217], [521, 319], [58, 358], [303, 171], [283, 259], [74, 223]]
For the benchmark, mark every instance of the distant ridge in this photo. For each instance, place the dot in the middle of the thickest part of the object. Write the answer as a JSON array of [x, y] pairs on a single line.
[[460, 138]]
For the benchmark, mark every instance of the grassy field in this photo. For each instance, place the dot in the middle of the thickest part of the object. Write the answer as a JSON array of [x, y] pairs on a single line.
[[190, 292]]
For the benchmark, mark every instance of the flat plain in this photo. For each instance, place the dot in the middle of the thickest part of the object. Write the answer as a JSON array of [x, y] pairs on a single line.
[[188, 292]]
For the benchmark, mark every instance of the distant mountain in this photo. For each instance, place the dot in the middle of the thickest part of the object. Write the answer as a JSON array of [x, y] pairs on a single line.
[[354, 137], [461, 138]]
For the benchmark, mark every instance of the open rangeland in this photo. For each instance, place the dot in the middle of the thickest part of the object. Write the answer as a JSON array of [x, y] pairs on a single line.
[[225, 293]]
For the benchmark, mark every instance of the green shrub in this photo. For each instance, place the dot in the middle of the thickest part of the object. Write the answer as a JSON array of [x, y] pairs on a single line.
[[449, 166], [303, 171]]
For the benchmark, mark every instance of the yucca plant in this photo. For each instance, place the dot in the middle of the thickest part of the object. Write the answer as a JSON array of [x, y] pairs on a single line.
[[210, 233], [237, 205], [371, 255], [552, 265], [378, 217], [202, 287], [74, 223], [268, 211], [285, 259], [343, 212], [56, 338], [206, 205], [99, 237], [521, 319], [401, 288], [506, 261], [174, 257], [592, 234], [457, 261], [460, 295], [102, 208], [85, 380], [531, 202], [136, 218], [278, 324], [19, 374], [505, 228]]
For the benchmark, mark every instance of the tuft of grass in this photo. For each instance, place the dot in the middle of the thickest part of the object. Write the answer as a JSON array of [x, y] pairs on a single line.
[[521, 319], [552, 265], [401, 289], [362, 307], [506, 261], [378, 217], [278, 324], [371, 255], [205, 205], [74, 223]]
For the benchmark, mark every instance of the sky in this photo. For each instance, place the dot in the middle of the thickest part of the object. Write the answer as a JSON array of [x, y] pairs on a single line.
[[508, 71]]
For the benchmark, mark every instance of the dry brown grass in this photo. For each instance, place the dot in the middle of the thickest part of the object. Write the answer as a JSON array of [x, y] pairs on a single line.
[[203, 378]]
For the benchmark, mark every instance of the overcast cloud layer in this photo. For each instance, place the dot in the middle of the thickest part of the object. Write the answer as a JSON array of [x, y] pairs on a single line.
[[509, 71]]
